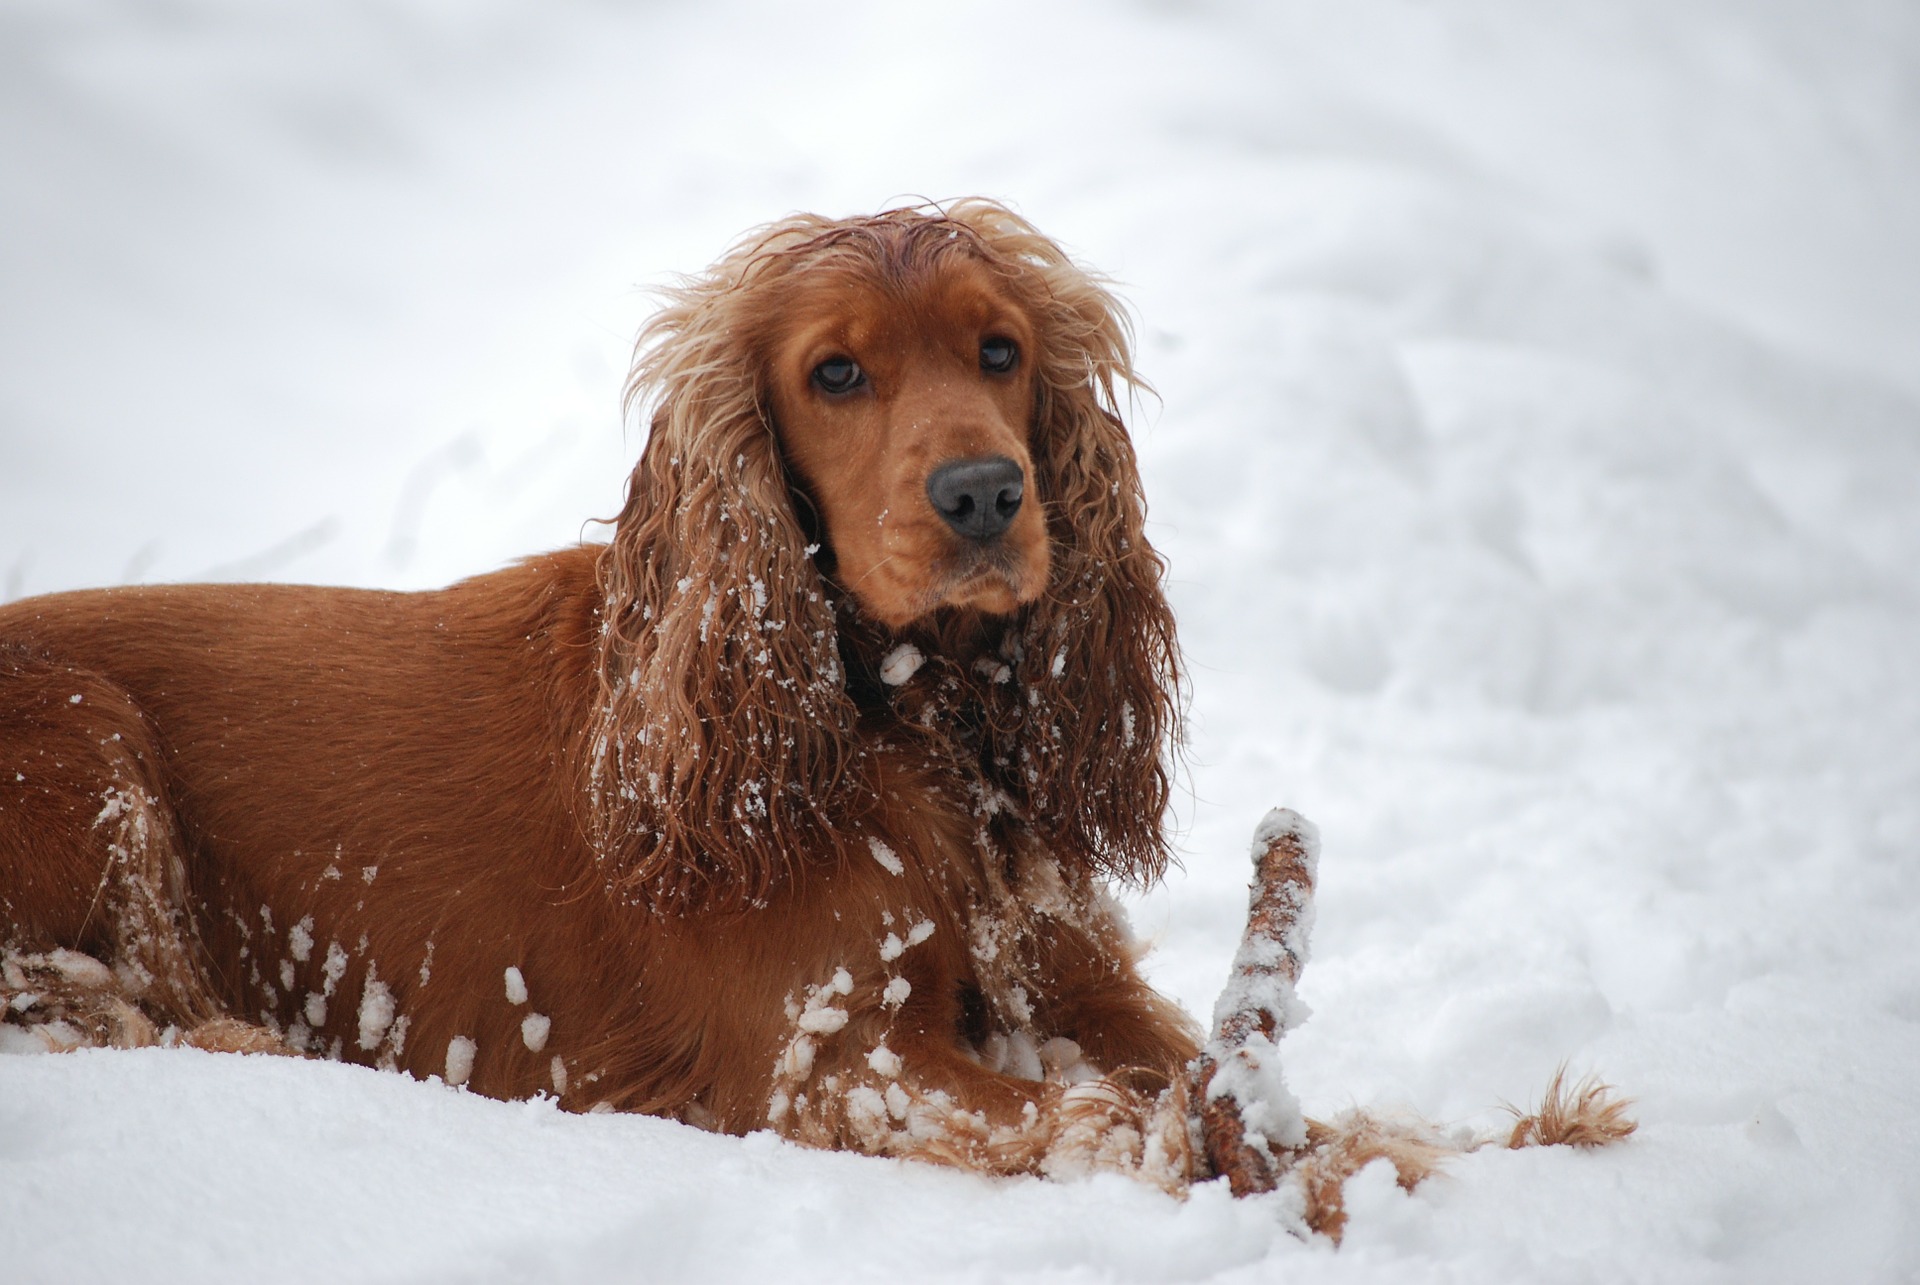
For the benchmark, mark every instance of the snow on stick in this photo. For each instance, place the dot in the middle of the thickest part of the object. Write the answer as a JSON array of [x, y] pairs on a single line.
[[1250, 1124]]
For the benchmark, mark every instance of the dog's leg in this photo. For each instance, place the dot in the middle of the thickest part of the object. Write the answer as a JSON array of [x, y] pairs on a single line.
[[928, 1101], [1088, 989], [90, 861], [862, 1072], [1121, 1047], [1250, 1125]]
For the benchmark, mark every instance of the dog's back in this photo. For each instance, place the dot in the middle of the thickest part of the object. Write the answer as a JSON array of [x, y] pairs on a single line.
[[274, 756]]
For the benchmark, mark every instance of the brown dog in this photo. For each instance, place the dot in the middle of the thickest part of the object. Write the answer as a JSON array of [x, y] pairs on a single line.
[[790, 807]]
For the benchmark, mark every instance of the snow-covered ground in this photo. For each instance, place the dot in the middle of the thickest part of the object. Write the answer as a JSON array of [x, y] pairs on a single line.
[[1537, 452]]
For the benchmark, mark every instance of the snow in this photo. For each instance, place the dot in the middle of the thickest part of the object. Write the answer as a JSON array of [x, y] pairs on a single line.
[[900, 664], [461, 1051], [822, 1021], [300, 942], [376, 1013], [886, 856], [892, 947], [1536, 451]]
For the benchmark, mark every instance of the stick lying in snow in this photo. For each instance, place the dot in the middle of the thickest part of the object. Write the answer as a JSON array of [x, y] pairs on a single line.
[[1250, 1127], [1250, 1124]]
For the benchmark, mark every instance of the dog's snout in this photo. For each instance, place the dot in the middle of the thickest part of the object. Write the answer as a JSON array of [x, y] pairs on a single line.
[[978, 498]]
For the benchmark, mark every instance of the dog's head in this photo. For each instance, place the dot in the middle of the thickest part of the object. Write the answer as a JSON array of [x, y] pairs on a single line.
[[900, 379], [910, 418]]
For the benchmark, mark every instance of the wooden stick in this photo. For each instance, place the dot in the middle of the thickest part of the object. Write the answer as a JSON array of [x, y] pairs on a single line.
[[1250, 1125]]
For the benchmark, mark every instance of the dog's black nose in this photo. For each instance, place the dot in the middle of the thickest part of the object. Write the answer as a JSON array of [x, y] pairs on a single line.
[[977, 498]]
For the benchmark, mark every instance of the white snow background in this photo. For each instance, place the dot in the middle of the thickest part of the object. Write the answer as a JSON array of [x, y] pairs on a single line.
[[1537, 453]]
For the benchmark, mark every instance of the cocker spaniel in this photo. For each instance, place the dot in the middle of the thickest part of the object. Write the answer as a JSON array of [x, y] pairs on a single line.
[[793, 806]]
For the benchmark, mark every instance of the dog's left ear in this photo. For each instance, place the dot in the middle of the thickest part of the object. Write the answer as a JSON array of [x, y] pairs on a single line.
[[1090, 744], [725, 727]]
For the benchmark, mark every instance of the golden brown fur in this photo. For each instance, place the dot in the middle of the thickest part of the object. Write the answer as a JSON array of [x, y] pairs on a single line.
[[649, 824], [1586, 1116]]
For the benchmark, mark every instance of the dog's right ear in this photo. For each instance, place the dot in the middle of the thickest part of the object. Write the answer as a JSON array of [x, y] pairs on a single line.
[[724, 729]]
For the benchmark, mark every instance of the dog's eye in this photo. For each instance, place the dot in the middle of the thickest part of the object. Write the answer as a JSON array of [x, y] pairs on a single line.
[[998, 355], [839, 375]]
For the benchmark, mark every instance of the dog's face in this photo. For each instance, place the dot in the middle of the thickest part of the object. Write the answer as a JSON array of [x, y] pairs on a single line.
[[931, 396], [905, 411]]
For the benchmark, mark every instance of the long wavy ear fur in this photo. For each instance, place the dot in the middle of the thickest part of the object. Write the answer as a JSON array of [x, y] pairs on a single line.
[[1084, 733], [726, 733], [724, 727]]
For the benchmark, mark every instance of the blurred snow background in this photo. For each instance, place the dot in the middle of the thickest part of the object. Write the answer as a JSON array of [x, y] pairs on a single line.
[[1537, 452]]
